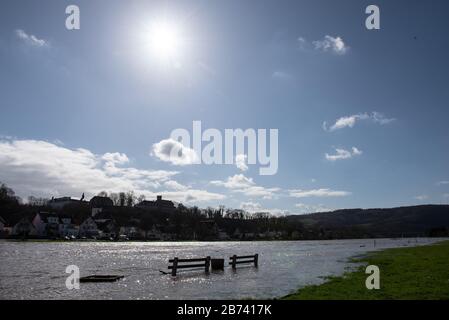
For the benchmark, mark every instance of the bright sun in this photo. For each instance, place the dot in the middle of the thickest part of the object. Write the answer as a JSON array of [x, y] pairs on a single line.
[[164, 40]]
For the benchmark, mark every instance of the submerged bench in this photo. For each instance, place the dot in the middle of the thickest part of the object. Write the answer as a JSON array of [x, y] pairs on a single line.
[[205, 263], [101, 278], [235, 260]]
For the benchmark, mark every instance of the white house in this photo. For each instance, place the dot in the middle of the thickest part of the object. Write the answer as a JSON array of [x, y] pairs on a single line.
[[46, 224], [66, 228], [88, 228]]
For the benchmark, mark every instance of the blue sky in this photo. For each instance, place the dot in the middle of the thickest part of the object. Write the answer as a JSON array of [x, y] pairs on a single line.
[[82, 109]]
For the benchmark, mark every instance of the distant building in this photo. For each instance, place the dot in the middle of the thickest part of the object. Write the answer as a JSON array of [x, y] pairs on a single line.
[[66, 227], [106, 228], [59, 203], [46, 224], [159, 204], [102, 225], [24, 228], [88, 228], [99, 203]]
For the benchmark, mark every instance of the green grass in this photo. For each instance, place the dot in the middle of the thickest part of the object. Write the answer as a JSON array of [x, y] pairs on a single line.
[[415, 273]]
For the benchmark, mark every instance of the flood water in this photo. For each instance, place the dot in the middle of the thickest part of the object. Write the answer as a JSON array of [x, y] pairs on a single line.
[[36, 270]]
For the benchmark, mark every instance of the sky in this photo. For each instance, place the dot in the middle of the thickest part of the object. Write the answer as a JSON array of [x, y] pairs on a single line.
[[361, 114]]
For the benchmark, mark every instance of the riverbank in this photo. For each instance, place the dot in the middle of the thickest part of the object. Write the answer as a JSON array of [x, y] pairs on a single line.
[[405, 273]]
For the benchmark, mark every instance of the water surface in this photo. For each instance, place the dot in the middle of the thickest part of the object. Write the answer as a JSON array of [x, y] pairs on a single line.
[[36, 270]]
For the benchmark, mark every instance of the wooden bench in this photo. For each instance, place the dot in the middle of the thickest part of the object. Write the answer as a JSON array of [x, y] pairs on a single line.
[[205, 263], [235, 260]]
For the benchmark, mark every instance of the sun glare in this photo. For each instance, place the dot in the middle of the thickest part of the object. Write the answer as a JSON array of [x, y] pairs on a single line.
[[164, 40]]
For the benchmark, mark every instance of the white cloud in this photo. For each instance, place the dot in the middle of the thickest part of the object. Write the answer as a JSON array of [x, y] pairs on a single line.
[[115, 158], [251, 206], [30, 39], [42, 168], [350, 121], [240, 162], [173, 151], [174, 185], [444, 182], [281, 75], [254, 207], [242, 184], [334, 44], [422, 197], [380, 118], [344, 122], [190, 195], [45, 169], [343, 154], [302, 43], [324, 192], [308, 208]]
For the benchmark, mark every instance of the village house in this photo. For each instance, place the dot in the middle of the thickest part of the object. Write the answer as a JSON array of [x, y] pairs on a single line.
[[131, 232], [46, 224], [66, 227], [159, 204], [24, 228], [106, 228], [59, 203], [88, 228], [98, 203], [99, 225]]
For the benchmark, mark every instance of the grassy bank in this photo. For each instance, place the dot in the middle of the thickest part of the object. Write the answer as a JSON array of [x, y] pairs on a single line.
[[405, 273]]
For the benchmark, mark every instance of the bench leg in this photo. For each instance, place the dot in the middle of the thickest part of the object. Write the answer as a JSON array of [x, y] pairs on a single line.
[[175, 266]]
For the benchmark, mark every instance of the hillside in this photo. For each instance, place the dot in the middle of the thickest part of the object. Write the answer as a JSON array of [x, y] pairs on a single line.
[[401, 221]]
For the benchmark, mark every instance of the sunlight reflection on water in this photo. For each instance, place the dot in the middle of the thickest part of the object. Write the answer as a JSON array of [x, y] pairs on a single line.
[[36, 270]]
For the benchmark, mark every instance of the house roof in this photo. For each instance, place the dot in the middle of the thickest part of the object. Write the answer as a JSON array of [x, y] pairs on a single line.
[[45, 215]]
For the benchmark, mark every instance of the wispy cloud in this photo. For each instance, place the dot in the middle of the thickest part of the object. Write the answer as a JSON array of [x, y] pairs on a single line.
[[254, 207], [173, 151], [422, 197], [30, 39], [310, 208], [324, 192], [241, 184], [350, 121], [341, 154], [331, 44], [444, 182], [380, 118], [281, 75], [328, 44]]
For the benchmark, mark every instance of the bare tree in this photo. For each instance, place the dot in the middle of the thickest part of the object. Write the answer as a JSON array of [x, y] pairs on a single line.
[[122, 199], [115, 198], [141, 198], [130, 198], [102, 194]]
